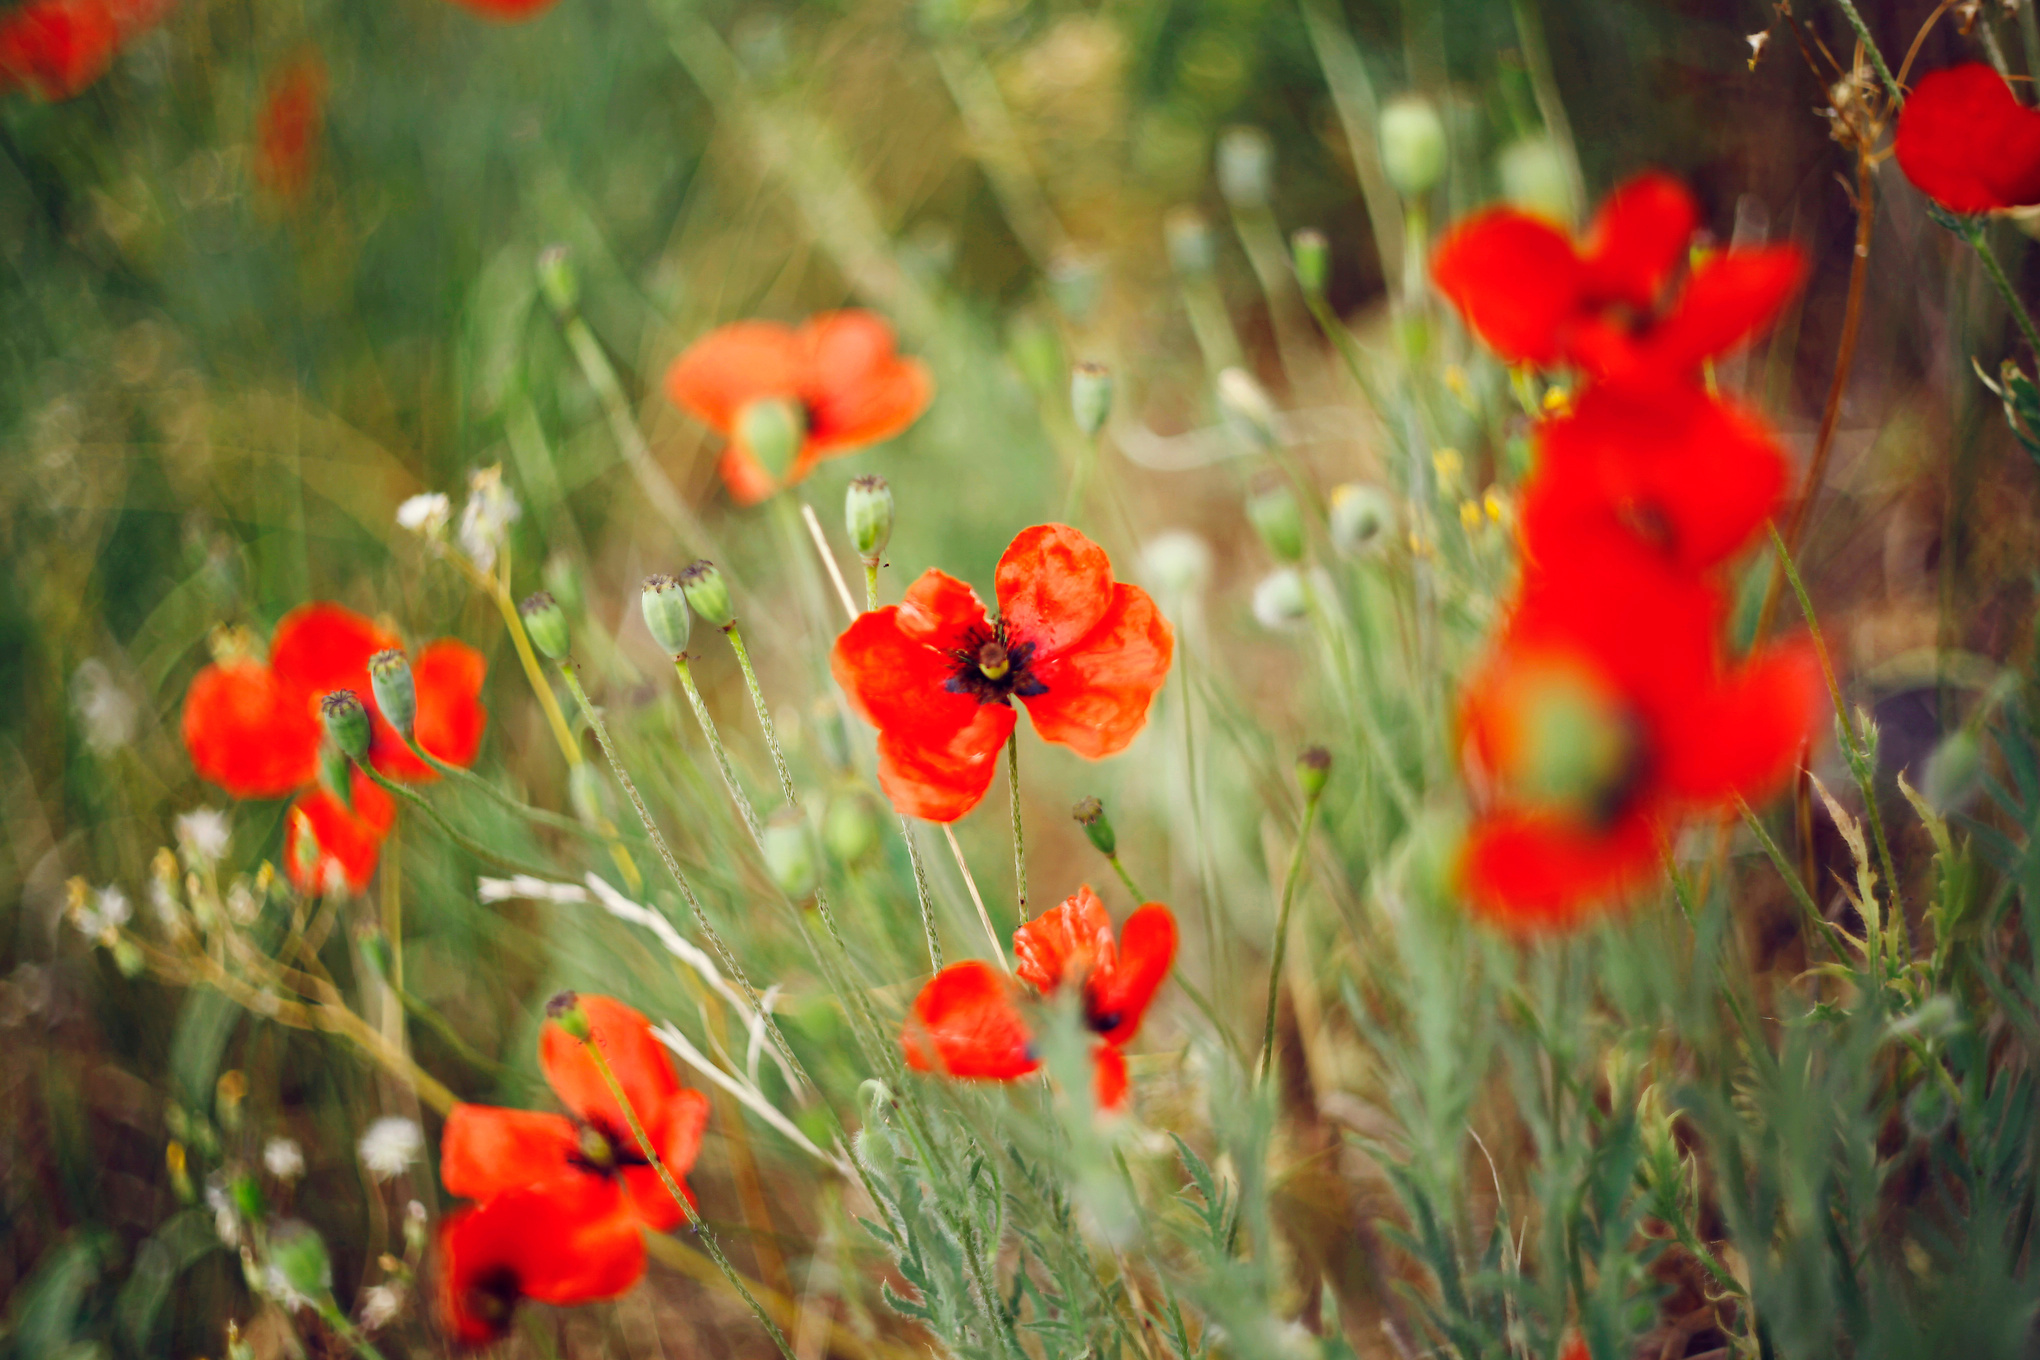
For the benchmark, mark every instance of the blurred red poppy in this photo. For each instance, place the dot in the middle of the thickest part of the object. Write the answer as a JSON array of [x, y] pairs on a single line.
[[508, 11], [1966, 141], [936, 676], [253, 729], [967, 1020], [565, 1199], [1607, 304], [1607, 716], [288, 128], [836, 377], [59, 47]]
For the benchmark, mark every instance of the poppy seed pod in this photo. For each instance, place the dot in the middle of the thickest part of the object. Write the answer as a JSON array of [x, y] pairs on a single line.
[[1313, 768], [565, 1011], [667, 616], [1361, 518], [868, 515], [346, 722], [1277, 518], [850, 827], [396, 694], [546, 622], [335, 774], [1312, 255], [772, 428], [1090, 815], [1090, 396], [1412, 145], [709, 594], [298, 1255], [789, 855], [557, 280], [1535, 178], [1189, 241], [1246, 164]]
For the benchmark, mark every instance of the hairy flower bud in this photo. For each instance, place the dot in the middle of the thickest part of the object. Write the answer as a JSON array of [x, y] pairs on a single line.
[[546, 623], [667, 616], [773, 429], [709, 594], [868, 515], [299, 1263], [1090, 396], [1361, 518], [396, 694], [1275, 515], [565, 1011], [1313, 768], [1413, 145], [346, 722], [1090, 815], [1312, 255], [1536, 179]]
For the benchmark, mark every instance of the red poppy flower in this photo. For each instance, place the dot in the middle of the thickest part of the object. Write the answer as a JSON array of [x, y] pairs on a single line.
[[288, 128], [253, 729], [937, 677], [967, 1021], [838, 371], [565, 1199], [1691, 476], [57, 47], [1606, 717], [1968, 143], [1608, 305], [508, 11]]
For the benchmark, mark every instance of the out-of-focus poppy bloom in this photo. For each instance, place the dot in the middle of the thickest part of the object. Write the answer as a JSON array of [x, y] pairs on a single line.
[[787, 397], [1968, 143], [936, 676], [967, 1021], [58, 47], [253, 729], [288, 128], [508, 11], [1606, 717], [564, 1199], [1691, 476], [1608, 304]]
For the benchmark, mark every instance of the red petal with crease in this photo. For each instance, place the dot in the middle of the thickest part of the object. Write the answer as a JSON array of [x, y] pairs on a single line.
[[1968, 143], [249, 734], [322, 647], [857, 389], [1516, 280], [1639, 239], [568, 1241], [1118, 995], [451, 719], [675, 1130], [1055, 586], [485, 1149], [1109, 1083], [1098, 690], [1730, 298], [889, 665], [964, 1023], [640, 1063], [942, 780], [349, 842], [732, 366], [1065, 942]]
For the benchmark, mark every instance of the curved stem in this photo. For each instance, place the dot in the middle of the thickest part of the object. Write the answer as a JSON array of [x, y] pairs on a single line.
[[1289, 882], [1019, 835], [977, 900], [715, 747], [779, 766], [921, 895], [448, 829]]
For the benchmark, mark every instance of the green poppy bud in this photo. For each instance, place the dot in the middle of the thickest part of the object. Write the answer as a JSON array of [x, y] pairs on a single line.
[[868, 515], [709, 594], [546, 623], [346, 722], [1362, 517], [1535, 178], [127, 957], [667, 616], [1189, 241], [1313, 768], [1413, 145], [587, 795], [557, 280], [1312, 255], [789, 855], [1246, 166], [565, 1011], [298, 1256], [1954, 771], [1090, 396], [396, 694], [1272, 508], [850, 827], [1090, 815], [773, 429]]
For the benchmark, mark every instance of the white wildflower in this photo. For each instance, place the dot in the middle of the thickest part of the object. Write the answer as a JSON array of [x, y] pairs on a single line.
[[486, 518], [243, 904], [202, 836], [427, 514], [1178, 561], [284, 1158], [105, 709], [391, 1144], [99, 912], [226, 1222], [1280, 600], [380, 1304], [1757, 42]]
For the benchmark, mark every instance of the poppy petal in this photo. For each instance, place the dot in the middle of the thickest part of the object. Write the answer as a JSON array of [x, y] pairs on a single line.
[[894, 664], [675, 1129], [732, 366], [1516, 280], [1639, 238], [1065, 942], [1535, 874], [640, 1062], [249, 734], [57, 47], [321, 647], [1118, 996], [1108, 1077], [507, 11], [1095, 695], [485, 1150], [1730, 298], [448, 675], [1745, 737], [1054, 587], [1968, 143], [567, 1241], [964, 1023], [858, 390], [349, 842], [746, 478], [941, 777]]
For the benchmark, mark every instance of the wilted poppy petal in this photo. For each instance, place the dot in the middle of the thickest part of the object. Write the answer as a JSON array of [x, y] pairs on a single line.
[[1118, 996], [1054, 587], [1514, 278], [1094, 696], [675, 1129], [1639, 239], [1535, 874], [573, 1240], [1108, 1077], [485, 1149], [1065, 942], [1968, 143], [732, 366], [939, 777], [1746, 735], [964, 1023], [249, 734], [857, 390], [640, 1062], [349, 842], [1730, 298]]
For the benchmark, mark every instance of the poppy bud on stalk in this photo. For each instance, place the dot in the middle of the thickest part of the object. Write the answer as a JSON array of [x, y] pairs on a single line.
[[773, 429], [667, 616], [709, 594], [849, 827], [1090, 815], [565, 1011], [1090, 396], [396, 695], [1313, 768], [1246, 164], [346, 722], [1312, 256], [788, 854], [1272, 508], [1189, 241], [298, 1256], [546, 622], [1412, 145], [336, 775], [868, 515]]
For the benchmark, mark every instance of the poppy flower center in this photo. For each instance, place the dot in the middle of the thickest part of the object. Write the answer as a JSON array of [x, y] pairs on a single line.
[[491, 1298], [597, 1149], [993, 666]]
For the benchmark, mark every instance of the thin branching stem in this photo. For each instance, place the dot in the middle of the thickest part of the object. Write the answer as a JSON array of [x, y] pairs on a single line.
[[1297, 855]]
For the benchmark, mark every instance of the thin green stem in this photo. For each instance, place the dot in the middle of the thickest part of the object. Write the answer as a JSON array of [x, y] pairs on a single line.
[[1126, 878], [345, 1328], [1978, 235], [786, 789], [637, 802], [1856, 22], [715, 746], [977, 899], [462, 1050], [1835, 936], [870, 583], [1296, 858], [1019, 836], [708, 1239], [921, 895], [448, 829], [468, 779]]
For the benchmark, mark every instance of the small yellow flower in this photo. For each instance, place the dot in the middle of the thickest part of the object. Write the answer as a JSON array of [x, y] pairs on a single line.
[[1469, 514], [1496, 504], [1557, 401], [1457, 384], [1450, 467]]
